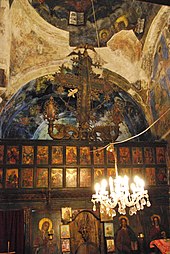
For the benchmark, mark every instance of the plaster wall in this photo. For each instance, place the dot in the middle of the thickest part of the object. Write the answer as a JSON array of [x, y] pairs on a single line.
[[5, 40]]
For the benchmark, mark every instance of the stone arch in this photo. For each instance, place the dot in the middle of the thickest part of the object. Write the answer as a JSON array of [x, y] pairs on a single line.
[[151, 41], [28, 60]]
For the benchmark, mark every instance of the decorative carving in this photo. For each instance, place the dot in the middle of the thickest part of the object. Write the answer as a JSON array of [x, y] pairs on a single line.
[[86, 93], [107, 132], [27, 219], [50, 110], [63, 131], [85, 233], [84, 228]]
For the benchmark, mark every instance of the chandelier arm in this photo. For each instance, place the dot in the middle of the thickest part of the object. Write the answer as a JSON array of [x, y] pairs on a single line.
[[117, 193], [136, 198]]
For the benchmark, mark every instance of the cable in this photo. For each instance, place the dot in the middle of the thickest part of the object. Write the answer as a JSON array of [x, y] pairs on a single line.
[[137, 135], [97, 35]]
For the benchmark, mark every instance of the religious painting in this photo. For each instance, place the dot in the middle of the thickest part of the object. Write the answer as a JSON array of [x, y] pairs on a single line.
[[161, 176], [76, 18], [159, 94], [27, 178], [99, 174], [110, 245], [65, 245], [71, 177], [108, 229], [1, 178], [111, 172], [138, 171], [98, 156], [11, 178], [45, 231], [12, 154], [85, 156], [65, 231], [1, 154], [57, 155], [124, 155], [124, 171], [56, 177], [27, 154], [66, 214], [149, 155], [104, 216], [110, 157], [150, 176], [42, 154], [71, 155], [85, 177], [42, 178], [137, 156], [160, 155]]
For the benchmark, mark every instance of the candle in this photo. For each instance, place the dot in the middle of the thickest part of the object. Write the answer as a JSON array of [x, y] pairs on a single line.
[[111, 184], [97, 188], [8, 245]]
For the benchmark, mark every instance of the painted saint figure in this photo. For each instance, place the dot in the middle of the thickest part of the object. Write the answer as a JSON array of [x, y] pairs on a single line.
[[126, 241], [45, 242], [156, 232]]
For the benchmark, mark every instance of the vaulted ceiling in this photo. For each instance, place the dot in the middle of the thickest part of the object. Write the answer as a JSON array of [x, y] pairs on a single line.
[[130, 39], [96, 22]]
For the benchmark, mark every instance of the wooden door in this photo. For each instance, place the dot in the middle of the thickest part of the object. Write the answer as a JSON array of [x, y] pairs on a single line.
[[88, 248], [86, 234]]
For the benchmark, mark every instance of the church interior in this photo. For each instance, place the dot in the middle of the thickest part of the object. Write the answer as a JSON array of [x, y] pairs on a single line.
[[84, 108]]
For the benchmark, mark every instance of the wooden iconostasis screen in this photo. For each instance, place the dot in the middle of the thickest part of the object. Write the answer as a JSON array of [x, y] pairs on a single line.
[[41, 164]]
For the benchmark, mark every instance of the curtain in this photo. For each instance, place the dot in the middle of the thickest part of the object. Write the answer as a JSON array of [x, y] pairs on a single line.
[[12, 231]]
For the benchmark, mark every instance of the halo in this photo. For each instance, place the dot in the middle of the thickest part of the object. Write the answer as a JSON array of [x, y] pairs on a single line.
[[104, 31], [121, 19], [125, 218], [42, 221], [157, 216], [99, 172]]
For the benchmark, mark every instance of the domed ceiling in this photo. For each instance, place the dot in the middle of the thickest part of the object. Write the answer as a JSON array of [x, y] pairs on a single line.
[[95, 22], [83, 90]]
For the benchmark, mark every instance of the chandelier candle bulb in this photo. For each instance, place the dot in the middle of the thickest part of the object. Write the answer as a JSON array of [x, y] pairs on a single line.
[[116, 193], [104, 186], [111, 184], [97, 188], [133, 187]]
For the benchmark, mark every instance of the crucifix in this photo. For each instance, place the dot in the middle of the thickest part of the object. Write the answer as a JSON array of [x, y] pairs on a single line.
[[90, 91], [84, 80]]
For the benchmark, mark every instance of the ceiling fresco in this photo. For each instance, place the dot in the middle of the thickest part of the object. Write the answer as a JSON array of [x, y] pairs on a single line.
[[86, 97], [78, 101], [160, 81], [95, 22]]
